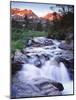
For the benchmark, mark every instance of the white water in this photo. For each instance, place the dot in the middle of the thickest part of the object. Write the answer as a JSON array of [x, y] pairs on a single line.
[[59, 73], [51, 69]]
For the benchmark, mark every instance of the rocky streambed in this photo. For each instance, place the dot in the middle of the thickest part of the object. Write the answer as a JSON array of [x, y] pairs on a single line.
[[43, 68]]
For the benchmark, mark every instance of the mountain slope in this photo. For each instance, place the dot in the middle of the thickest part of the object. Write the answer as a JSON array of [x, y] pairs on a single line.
[[18, 13]]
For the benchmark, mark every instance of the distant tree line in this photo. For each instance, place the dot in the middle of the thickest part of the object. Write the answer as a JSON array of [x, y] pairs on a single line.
[[27, 24], [65, 26]]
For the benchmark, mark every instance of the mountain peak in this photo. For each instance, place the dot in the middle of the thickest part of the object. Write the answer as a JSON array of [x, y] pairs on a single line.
[[17, 13], [52, 16]]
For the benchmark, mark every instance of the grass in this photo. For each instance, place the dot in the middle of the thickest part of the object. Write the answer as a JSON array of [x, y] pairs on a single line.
[[19, 37]]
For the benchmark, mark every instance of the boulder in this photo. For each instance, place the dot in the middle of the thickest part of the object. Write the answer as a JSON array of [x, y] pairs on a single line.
[[67, 55], [15, 66], [20, 57], [38, 63], [39, 41], [35, 87], [44, 83], [46, 56], [66, 46]]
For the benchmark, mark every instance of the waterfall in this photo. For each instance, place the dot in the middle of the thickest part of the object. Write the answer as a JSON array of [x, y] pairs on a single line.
[[64, 73], [55, 71], [29, 72], [50, 69], [58, 72]]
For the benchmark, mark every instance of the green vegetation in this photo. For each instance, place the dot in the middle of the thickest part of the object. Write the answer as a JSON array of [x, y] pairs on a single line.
[[20, 36], [64, 27]]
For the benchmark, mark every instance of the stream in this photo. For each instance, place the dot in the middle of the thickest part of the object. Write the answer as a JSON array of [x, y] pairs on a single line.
[[43, 62]]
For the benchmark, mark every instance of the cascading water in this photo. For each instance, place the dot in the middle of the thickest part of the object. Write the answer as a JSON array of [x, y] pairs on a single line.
[[50, 69], [58, 72], [65, 80], [64, 73]]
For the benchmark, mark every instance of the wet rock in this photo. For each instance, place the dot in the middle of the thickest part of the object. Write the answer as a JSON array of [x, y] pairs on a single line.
[[38, 63], [46, 56], [20, 57], [32, 59], [29, 42], [59, 86], [15, 66], [42, 59], [44, 83], [47, 47], [48, 42], [67, 46], [40, 41], [35, 87], [68, 63], [67, 55]]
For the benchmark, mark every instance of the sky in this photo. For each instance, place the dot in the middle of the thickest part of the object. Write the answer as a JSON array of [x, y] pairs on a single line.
[[38, 9]]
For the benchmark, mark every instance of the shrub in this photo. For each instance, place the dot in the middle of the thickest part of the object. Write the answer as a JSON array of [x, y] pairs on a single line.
[[17, 45]]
